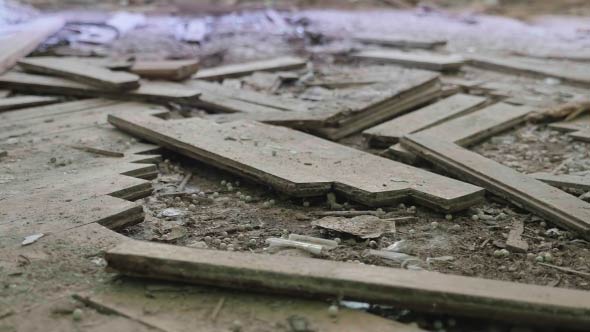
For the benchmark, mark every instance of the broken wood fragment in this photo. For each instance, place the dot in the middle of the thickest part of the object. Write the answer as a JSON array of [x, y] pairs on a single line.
[[578, 128], [564, 180], [418, 290], [25, 39], [299, 164], [401, 42], [17, 102], [389, 132], [565, 269], [515, 242], [241, 69], [364, 226], [561, 208], [431, 61], [101, 152], [81, 71], [175, 70]]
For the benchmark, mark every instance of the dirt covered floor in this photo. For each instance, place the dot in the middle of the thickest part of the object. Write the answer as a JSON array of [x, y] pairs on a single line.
[[218, 210]]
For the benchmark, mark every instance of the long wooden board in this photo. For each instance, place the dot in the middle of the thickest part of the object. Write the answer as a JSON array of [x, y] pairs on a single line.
[[432, 61], [81, 71], [548, 202], [299, 164], [54, 109], [420, 290], [255, 312], [576, 74], [240, 69], [25, 39], [401, 42], [388, 133], [155, 91], [17, 102], [471, 128], [175, 70], [564, 180]]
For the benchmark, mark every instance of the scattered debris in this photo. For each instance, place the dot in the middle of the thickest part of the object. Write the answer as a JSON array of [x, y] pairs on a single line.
[[101, 152], [314, 248], [423, 60], [30, 239], [365, 226], [515, 241], [241, 69]]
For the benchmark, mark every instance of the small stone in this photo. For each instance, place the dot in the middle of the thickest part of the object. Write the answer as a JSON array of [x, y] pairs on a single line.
[[236, 326], [412, 231], [223, 182], [216, 242], [543, 224], [252, 243], [449, 217], [338, 240], [77, 314], [227, 240], [501, 253], [223, 246], [437, 325], [306, 204], [333, 310], [539, 259], [475, 217], [434, 225], [547, 257], [455, 228], [207, 238], [401, 206], [373, 244]]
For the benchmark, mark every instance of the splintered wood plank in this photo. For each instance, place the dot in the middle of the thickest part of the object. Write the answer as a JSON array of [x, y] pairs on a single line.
[[576, 74], [418, 290], [55, 109], [514, 242], [175, 70], [564, 180], [156, 91], [449, 108], [432, 61], [402, 42], [81, 71], [25, 101], [297, 163], [241, 69], [471, 128], [264, 312], [347, 111], [523, 190], [25, 39]]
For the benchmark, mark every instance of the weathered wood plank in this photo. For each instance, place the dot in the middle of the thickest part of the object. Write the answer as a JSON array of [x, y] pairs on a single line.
[[25, 39], [564, 180], [264, 312], [471, 128], [523, 190], [240, 69], [401, 42], [432, 61], [55, 109], [420, 290], [81, 71], [156, 91], [297, 163], [175, 70], [576, 74], [578, 128], [17, 102], [388, 133]]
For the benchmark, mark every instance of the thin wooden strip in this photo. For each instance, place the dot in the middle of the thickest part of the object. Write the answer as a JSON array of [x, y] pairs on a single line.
[[297, 163], [420, 290], [401, 42], [26, 38], [432, 61], [561, 208], [55, 109], [390, 132], [563, 180], [17, 102], [241, 69], [81, 71]]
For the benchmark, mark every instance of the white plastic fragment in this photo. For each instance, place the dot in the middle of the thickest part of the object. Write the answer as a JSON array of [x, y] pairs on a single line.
[[315, 240], [170, 212], [315, 249], [32, 239]]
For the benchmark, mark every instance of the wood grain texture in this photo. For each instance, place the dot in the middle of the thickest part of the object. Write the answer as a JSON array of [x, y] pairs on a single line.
[[17, 102], [299, 164], [514, 242], [535, 196], [26, 38], [564, 180], [81, 71], [241, 69], [388, 133], [431, 61], [420, 290]]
